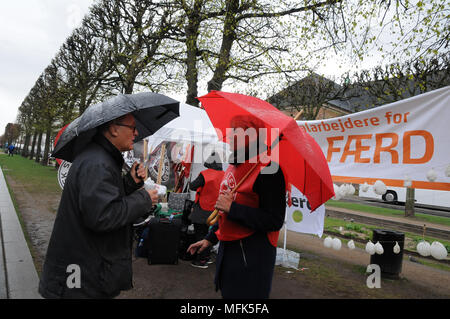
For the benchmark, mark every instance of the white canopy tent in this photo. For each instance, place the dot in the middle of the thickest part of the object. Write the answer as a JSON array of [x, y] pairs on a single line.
[[192, 127]]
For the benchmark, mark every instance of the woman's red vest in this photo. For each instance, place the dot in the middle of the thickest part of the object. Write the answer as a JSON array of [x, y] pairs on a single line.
[[206, 195], [228, 229]]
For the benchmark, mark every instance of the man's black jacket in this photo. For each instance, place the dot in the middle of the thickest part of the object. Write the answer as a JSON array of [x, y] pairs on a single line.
[[93, 227]]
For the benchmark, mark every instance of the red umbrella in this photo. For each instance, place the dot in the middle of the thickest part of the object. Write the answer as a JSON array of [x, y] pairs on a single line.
[[300, 157]]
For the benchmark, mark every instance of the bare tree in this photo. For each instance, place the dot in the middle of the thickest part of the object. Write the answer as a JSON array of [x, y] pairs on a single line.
[[85, 62], [397, 81], [133, 31]]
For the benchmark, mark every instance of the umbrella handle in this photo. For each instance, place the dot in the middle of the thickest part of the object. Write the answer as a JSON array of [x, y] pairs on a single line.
[[215, 219], [136, 171], [212, 217]]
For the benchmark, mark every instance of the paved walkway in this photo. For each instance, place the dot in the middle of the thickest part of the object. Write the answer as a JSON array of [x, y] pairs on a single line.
[[18, 276]]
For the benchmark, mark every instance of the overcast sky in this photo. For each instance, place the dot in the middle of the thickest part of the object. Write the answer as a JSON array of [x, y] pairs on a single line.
[[31, 32]]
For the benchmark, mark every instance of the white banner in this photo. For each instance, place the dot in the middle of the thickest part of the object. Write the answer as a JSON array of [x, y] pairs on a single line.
[[405, 140], [299, 217]]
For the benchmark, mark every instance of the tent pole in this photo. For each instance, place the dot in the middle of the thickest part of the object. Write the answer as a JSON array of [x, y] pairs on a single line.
[[161, 163], [284, 241]]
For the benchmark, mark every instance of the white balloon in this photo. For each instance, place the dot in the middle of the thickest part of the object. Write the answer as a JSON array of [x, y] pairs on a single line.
[[335, 188], [343, 190], [379, 187], [351, 189], [364, 187], [407, 182], [424, 248], [379, 248], [396, 248], [370, 248], [431, 175], [328, 242], [438, 250], [336, 244], [351, 244], [337, 195]]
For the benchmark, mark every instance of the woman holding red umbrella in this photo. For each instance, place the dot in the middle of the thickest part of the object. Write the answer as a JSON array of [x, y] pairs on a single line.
[[249, 219]]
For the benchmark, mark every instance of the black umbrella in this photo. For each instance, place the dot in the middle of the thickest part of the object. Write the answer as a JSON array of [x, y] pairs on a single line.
[[150, 110]]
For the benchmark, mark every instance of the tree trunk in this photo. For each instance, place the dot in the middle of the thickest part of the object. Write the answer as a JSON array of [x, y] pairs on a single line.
[[229, 35], [83, 105], [27, 144], [409, 202], [38, 149], [47, 147], [33, 145], [19, 144], [191, 31], [128, 85]]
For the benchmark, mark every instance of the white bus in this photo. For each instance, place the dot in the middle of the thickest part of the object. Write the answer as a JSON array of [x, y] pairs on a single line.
[[421, 196]]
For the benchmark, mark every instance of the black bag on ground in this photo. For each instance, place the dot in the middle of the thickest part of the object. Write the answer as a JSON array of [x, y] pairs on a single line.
[[187, 211], [163, 240], [142, 243], [186, 239]]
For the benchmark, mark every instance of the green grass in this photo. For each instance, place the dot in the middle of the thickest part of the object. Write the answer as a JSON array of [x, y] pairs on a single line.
[[31, 175], [35, 178], [388, 212]]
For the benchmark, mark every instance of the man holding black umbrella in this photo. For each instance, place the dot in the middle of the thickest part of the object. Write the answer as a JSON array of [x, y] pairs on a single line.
[[89, 254]]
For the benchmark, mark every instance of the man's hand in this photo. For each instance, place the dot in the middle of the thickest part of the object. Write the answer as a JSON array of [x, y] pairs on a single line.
[[153, 193], [141, 174], [224, 201], [199, 246]]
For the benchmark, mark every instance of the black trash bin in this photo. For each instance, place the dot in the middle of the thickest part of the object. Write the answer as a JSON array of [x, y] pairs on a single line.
[[390, 263]]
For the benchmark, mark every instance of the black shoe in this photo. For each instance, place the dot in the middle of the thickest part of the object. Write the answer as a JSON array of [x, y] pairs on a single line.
[[199, 264]]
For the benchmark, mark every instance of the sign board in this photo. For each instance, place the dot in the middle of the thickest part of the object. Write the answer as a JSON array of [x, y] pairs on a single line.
[[392, 143], [63, 171]]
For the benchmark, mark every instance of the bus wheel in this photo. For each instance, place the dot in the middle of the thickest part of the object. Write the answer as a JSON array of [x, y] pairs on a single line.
[[390, 196]]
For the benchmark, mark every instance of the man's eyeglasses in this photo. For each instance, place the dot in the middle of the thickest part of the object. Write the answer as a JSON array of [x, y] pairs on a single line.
[[129, 126]]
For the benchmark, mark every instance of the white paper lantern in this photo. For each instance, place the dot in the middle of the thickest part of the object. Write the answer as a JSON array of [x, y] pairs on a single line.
[[328, 242], [351, 190], [431, 175], [364, 187], [424, 248], [396, 248], [370, 248], [337, 195], [438, 250], [407, 182], [343, 190], [447, 171], [379, 248], [379, 188], [351, 244], [336, 244]]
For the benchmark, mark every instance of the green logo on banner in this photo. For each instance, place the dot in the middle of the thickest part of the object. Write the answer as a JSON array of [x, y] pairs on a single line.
[[297, 216]]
